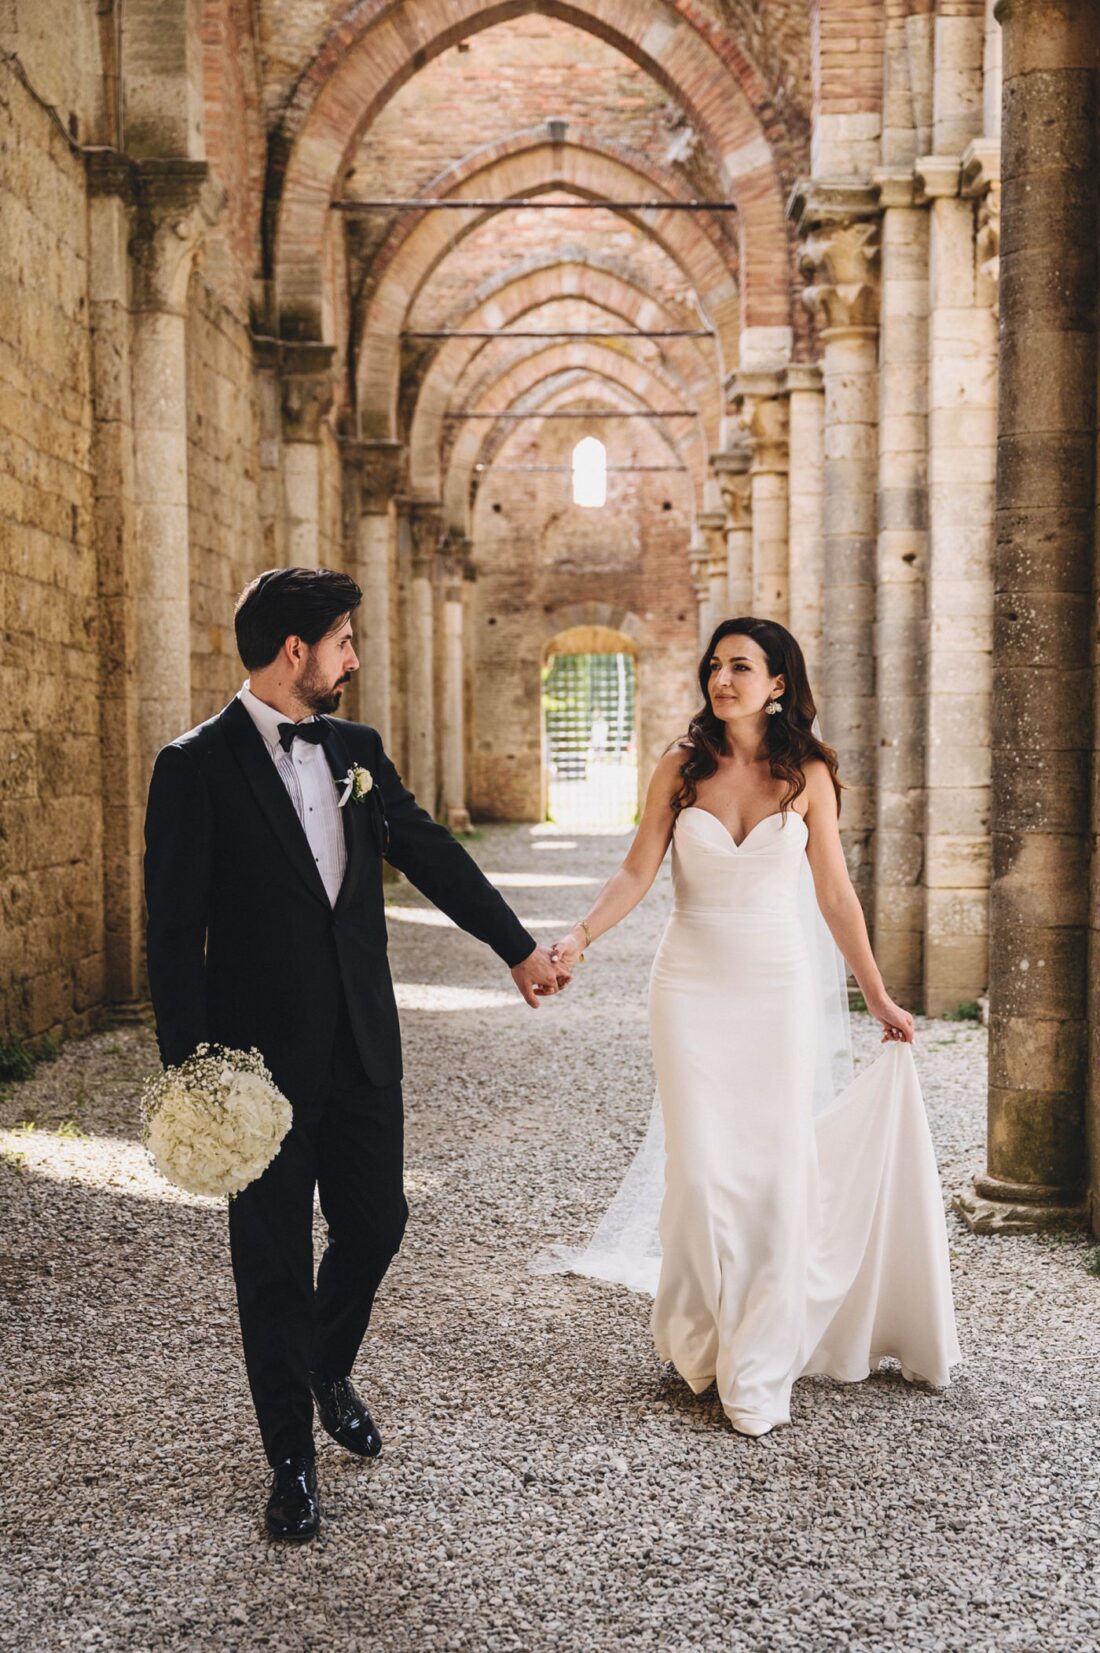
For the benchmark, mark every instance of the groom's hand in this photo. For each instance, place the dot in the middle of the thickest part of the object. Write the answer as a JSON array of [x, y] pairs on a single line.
[[537, 976]]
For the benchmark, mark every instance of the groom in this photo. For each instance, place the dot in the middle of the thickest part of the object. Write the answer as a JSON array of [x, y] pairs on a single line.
[[266, 928]]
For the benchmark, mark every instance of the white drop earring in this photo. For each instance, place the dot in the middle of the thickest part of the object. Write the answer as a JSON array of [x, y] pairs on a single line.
[[773, 706]]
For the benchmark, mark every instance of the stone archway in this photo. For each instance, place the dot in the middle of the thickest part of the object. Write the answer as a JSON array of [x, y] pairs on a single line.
[[526, 295], [536, 169], [580, 369], [591, 727], [379, 45]]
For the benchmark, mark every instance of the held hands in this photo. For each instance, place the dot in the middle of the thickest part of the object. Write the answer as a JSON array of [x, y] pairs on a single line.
[[566, 951], [539, 975], [897, 1024]]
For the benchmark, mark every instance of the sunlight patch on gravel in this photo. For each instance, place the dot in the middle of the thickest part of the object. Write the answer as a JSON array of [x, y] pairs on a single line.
[[536, 881], [100, 1162], [441, 996], [431, 918]]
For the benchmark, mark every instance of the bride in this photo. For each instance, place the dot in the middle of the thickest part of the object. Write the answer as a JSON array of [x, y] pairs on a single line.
[[791, 1242]]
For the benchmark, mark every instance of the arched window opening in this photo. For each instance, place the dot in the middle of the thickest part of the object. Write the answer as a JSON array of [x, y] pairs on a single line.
[[590, 740], [589, 472]]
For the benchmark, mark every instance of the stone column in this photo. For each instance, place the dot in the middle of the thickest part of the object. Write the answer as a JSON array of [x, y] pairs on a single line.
[[805, 533], [453, 720], [176, 202], [307, 395], [426, 524], [731, 468], [839, 260], [962, 425], [902, 558], [111, 197], [1044, 567], [698, 563], [759, 401], [380, 466], [711, 524]]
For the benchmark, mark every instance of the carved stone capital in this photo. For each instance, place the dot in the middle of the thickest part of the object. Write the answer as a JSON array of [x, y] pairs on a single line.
[[936, 177], [838, 224], [987, 248], [805, 377], [460, 546], [818, 202], [840, 265], [426, 525], [453, 566], [759, 403], [305, 374], [175, 203], [380, 467], [735, 483], [712, 526], [981, 166], [896, 187]]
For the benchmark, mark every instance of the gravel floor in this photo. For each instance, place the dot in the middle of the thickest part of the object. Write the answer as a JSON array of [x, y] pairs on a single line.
[[546, 1484]]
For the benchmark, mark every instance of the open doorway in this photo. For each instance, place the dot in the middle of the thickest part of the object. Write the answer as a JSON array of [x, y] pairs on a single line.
[[590, 733]]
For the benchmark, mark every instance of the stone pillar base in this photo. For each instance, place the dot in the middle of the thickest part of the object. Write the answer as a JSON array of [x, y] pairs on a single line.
[[127, 1013], [991, 1207], [458, 820]]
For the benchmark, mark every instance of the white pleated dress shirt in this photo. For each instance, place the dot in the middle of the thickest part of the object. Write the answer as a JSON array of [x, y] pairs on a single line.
[[305, 773]]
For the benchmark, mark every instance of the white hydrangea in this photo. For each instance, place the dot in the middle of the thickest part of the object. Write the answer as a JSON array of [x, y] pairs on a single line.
[[214, 1123]]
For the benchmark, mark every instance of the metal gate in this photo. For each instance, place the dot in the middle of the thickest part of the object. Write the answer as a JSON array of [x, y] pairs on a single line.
[[590, 742]]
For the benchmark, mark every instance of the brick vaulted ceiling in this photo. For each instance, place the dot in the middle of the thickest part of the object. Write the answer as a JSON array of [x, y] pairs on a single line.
[[660, 100]]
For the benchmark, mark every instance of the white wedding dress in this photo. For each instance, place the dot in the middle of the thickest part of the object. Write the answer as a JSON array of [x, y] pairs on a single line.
[[789, 1242]]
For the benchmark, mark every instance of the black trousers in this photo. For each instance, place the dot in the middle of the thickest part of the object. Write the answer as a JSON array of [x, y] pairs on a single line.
[[350, 1148]]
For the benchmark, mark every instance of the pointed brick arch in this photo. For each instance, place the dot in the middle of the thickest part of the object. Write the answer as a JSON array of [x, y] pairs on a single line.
[[521, 299], [532, 381], [652, 181], [570, 256], [572, 390], [665, 387], [534, 168], [381, 43]]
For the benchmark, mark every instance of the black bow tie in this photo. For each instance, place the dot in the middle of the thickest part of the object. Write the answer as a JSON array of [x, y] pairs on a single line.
[[289, 732]]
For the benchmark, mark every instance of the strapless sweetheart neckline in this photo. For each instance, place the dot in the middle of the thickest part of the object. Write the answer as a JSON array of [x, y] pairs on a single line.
[[775, 815]]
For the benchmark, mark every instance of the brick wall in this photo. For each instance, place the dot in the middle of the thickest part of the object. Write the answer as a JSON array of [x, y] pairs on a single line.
[[539, 556], [51, 853]]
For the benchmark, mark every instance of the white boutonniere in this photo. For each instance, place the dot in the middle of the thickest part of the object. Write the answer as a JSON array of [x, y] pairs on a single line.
[[356, 784]]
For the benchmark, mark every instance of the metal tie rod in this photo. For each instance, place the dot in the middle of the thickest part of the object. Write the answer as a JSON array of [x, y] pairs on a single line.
[[461, 203], [568, 468], [579, 413], [561, 333]]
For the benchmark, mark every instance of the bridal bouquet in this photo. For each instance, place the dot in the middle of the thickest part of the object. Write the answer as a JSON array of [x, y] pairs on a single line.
[[214, 1123]]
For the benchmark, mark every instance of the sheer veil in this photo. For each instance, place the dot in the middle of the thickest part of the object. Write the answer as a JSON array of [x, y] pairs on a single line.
[[625, 1248]]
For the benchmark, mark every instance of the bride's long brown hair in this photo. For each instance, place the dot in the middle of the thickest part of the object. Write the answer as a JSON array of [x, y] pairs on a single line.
[[789, 735]]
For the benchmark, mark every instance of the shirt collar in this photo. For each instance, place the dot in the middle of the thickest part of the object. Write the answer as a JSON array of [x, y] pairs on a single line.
[[266, 718]]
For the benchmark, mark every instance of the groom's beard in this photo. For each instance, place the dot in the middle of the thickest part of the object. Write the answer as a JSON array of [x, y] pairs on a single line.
[[316, 694]]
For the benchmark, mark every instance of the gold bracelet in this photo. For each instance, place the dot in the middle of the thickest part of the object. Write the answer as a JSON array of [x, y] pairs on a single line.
[[581, 925]]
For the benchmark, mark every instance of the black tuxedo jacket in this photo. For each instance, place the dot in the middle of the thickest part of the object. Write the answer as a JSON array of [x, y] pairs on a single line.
[[244, 947]]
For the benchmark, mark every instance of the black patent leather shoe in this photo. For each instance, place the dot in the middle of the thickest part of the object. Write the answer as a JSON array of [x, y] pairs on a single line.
[[293, 1510], [344, 1417]]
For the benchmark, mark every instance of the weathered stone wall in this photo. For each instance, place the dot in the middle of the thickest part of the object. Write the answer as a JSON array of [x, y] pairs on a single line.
[[59, 46], [226, 544], [51, 852]]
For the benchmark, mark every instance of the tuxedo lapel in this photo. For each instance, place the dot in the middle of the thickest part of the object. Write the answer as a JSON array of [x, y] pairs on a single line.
[[251, 753], [353, 815]]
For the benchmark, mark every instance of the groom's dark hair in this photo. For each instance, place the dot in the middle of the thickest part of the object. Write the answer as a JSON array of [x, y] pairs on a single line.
[[290, 602]]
